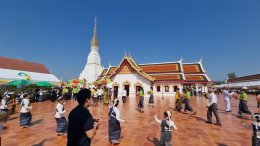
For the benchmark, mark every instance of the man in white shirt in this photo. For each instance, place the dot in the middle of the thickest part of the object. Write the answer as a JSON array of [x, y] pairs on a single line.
[[212, 107], [124, 95], [227, 95]]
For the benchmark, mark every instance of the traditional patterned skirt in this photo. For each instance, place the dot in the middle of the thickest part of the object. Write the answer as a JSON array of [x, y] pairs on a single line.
[[166, 138], [62, 125], [178, 105], [114, 130], [141, 102], [3, 115], [187, 105], [40, 98], [105, 100], [151, 99], [243, 108], [25, 119]]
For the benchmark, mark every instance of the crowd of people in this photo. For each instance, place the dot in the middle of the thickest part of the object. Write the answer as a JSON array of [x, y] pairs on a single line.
[[81, 127]]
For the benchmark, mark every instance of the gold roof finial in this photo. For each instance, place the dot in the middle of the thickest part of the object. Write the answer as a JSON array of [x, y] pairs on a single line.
[[94, 41]]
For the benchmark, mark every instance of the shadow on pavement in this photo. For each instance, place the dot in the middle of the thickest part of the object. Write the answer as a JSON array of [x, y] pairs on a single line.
[[36, 122], [154, 140], [40, 144]]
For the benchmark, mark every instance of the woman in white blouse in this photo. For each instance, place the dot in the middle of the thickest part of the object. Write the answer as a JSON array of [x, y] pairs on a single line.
[[25, 114], [4, 112], [62, 124], [114, 123]]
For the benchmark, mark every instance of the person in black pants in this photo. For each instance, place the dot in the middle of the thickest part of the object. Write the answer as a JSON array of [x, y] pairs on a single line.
[[212, 107]]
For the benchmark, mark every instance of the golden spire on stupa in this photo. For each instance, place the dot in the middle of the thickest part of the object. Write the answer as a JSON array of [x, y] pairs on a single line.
[[94, 41]]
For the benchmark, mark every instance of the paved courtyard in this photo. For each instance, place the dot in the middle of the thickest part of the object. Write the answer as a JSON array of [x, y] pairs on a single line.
[[140, 128]]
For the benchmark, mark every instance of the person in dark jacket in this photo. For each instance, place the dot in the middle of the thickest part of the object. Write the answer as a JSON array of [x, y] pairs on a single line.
[[82, 127]]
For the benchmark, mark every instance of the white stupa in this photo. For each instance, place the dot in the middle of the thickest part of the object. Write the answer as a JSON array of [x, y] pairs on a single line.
[[93, 67]]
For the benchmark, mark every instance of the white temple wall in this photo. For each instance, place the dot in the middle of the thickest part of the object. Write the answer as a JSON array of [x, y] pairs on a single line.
[[120, 79], [163, 86]]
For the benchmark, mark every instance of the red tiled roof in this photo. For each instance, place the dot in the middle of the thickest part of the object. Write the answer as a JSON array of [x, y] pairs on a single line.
[[111, 70], [128, 64], [199, 78], [103, 72], [170, 71], [16, 64], [167, 77], [161, 68], [191, 68], [245, 78]]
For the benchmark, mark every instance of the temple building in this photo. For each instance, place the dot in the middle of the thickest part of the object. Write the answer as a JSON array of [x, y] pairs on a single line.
[[16, 69], [93, 67], [164, 77]]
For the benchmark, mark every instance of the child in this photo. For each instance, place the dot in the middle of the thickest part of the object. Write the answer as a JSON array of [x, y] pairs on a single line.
[[25, 114], [62, 124], [166, 126]]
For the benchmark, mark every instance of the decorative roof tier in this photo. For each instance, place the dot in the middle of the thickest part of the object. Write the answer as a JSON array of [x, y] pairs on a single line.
[[104, 72], [192, 68], [168, 71], [161, 68], [197, 78], [168, 77], [128, 65], [110, 70]]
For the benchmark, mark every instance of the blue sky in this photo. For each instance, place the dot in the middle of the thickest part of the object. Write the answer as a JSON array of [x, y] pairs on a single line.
[[57, 33]]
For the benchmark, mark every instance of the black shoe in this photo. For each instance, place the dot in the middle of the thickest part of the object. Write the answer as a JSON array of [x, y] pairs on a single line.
[[239, 116], [218, 124], [208, 122], [229, 111]]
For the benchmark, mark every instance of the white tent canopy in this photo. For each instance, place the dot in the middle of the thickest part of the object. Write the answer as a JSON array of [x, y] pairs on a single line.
[[240, 84], [7, 74], [245, 84]]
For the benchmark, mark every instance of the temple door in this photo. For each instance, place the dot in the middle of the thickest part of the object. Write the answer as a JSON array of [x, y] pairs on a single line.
[[127, 90]]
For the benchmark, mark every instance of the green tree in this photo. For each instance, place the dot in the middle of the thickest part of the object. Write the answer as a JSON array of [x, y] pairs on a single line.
[[232, 75], [219, 82]]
